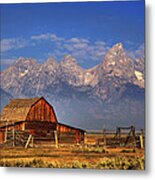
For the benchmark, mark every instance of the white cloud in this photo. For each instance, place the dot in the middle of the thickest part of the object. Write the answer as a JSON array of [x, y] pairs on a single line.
[[12, 43], [78, 40], [75, 46], [131, 43], [6, 62], [84, 49], [140, 51], [47, 36], [40, 37], [81, 48], [55, 38], [100, 43]]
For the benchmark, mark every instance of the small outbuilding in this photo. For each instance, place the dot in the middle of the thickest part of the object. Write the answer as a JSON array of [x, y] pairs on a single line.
[[70, 134]]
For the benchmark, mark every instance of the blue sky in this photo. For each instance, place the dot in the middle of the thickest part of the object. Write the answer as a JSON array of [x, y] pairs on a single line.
[[84, 30]]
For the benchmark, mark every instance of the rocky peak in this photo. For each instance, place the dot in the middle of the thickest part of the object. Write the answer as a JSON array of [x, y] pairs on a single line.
[[140, 65], [117, 63], [50, 61], [21, 67], [115, 55], [50, 65], [70, 72], [117, 48], [27, 76], [21, 61], [69, 65], [69, 61]]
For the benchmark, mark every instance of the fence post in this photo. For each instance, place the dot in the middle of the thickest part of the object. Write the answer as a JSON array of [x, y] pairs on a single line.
[[85, 138], [141, 142], [104, 137], [28, 140], [13, 134], [32, 141], [141, 139], [6, 132], [56, 138]]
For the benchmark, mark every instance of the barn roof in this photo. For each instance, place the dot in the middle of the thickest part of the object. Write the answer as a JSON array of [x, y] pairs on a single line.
[[17, 110], [71, 127]]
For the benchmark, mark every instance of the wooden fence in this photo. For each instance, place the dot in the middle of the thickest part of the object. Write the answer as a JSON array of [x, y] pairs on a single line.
[[102, 138], [108, 138], [12, 138]]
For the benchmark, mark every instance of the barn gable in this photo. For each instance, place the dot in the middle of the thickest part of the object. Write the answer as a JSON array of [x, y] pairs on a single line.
[[19, 109], [41, 111]]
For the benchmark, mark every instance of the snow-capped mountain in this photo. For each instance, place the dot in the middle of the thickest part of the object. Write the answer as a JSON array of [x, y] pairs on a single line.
[[83, 96]]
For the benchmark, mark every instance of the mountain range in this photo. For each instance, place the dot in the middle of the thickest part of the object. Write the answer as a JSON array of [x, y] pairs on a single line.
[[107, 95]]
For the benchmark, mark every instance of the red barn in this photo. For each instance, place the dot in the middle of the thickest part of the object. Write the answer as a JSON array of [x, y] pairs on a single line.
[[33, 115]]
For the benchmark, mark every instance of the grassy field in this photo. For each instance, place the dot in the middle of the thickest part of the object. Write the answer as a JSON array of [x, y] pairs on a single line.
[[73, 157]]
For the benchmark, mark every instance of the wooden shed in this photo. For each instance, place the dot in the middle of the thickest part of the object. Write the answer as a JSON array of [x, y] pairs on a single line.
[[70, 134]]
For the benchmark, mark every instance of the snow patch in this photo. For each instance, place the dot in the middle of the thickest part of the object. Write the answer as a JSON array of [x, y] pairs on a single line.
[[112, 63], [139, 75], [88, 78], [24, 73]]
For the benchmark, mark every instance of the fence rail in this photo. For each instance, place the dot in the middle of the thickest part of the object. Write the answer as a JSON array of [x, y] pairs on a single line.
[[105, 138]]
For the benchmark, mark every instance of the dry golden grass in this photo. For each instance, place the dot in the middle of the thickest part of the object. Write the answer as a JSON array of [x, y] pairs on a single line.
[[73, 157]]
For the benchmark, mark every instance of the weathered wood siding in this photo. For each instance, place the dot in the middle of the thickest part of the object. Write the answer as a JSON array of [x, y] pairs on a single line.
[[63, 128], [41, 111], [69, 134], [40, 126], [16, 126], [2, 135]]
